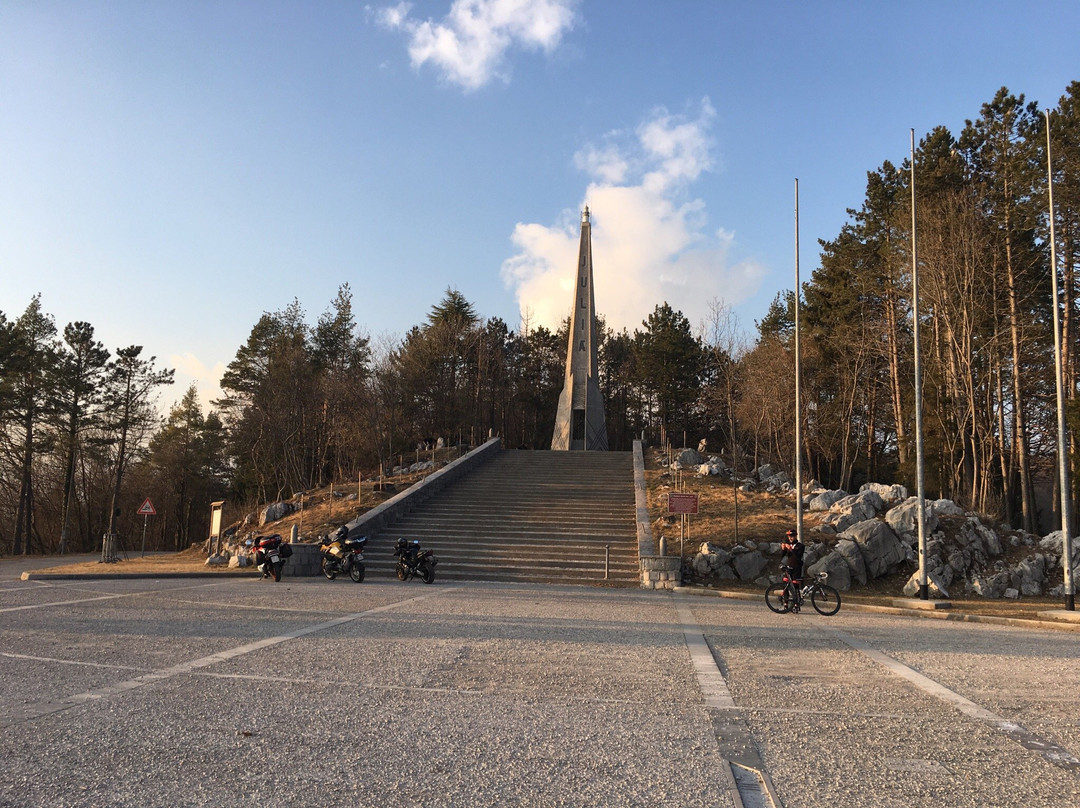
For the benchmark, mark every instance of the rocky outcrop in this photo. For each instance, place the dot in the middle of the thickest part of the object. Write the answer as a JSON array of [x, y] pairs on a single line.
[[890, 494], [881, 550], [749, 566], [874, 534], [686, 459], [742, 563], [904, 518], [275, 511], [825, 500], [712, 467]]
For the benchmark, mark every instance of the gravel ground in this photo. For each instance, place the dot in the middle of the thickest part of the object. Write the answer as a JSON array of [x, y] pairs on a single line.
[[310, 693]]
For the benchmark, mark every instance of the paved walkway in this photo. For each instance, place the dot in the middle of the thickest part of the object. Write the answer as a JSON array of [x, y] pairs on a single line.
[[312, 693]]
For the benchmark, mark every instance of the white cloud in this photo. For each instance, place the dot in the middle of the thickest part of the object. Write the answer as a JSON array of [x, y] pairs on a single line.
[[189, 368], [469, 46], [649, 237]]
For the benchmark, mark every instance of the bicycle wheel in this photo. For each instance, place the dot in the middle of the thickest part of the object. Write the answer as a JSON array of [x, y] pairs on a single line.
[[825, 599], [777, 599]]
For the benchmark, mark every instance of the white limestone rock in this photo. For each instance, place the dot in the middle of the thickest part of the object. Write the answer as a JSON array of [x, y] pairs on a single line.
[[882, 551], [903, 518], [837, 568], [935, 587], [825, 500], [890, 494]]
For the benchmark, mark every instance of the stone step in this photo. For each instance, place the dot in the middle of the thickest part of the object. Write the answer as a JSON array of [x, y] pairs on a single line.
[[495, 561], [523, 572], [497, 526], [547, 511], [527, 516], [560, 544], [480, 550]]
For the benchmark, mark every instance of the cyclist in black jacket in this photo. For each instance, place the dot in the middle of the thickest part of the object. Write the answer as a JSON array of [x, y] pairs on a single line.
[[794, 551]]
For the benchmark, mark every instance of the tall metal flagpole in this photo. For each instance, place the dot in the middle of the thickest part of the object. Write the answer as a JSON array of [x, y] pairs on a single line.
[[924, 586], [798, 382], [1063, 458]]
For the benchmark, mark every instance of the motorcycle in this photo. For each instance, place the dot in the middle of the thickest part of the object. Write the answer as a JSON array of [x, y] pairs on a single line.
[[411, 561], [340, 554], [270, 554]]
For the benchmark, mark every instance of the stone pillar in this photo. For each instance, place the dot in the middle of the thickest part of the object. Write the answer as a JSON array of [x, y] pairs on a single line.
[[661, 572]]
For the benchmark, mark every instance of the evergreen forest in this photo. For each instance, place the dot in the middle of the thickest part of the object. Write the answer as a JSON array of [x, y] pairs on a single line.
[[309, 403]]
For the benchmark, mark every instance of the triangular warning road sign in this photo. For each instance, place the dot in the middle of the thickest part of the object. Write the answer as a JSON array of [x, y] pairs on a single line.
[[147, 508]]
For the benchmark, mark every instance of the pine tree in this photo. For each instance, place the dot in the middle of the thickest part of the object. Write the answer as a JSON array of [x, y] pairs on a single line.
[[669, 360], [79, 374], [999, 149], [131, 384], [30, 369]]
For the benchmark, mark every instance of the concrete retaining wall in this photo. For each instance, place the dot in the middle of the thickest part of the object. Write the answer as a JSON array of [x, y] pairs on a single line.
[[657, 571], [388, 512], [306, 558]]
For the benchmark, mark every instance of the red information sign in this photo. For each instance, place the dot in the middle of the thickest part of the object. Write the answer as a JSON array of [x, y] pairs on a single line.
[[147, 508], [682, 503]]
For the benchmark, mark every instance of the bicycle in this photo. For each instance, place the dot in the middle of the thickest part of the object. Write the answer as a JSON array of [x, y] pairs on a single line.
[[787, 596]]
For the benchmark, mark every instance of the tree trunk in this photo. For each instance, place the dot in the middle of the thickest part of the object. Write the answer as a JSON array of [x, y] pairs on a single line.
[[24, 518], [1020, 448]]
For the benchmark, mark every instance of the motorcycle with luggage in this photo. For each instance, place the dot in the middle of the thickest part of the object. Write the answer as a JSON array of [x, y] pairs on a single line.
[[270, 554], [412, 561], [342, 555]]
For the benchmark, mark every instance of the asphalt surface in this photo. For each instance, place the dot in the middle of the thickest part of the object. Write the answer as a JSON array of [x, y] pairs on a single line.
[[316, 693]]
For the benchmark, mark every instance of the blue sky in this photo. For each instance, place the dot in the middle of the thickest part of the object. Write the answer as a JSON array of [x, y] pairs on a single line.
[[169, 171]]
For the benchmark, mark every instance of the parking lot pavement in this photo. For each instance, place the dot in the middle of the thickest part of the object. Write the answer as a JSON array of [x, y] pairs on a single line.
[[876, 709], [245, 692], [143, 693], [12, 567]]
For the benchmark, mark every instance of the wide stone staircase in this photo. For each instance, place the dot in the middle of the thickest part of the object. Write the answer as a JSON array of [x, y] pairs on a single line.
[[541, 516]]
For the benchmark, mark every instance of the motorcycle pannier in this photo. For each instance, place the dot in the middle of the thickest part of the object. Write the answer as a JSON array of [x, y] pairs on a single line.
[[285, 550]]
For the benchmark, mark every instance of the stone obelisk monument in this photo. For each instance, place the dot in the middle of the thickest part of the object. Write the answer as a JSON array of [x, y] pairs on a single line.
[[579, 423]]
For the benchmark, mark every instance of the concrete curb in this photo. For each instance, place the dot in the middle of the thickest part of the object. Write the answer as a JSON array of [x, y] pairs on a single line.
[[923, 613]]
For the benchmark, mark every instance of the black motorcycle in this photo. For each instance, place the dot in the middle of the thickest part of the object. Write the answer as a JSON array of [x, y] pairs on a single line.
[[342, 555], [270, 554], [411, 561]]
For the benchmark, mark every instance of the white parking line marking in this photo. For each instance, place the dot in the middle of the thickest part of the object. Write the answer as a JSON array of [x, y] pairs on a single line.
[[102, 597], [56, 661], [1055, 754], [31, 711], [67, 602], [355, 686]]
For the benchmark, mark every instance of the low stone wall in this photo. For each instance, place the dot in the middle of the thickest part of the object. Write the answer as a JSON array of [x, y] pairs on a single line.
[[306, 560], [657, 571]]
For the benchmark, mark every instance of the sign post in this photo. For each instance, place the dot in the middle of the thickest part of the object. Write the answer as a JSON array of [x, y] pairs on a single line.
[[146, 509], [682, 503]]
